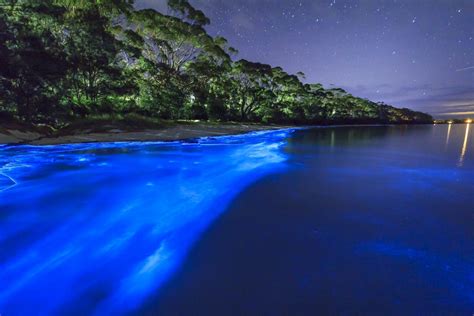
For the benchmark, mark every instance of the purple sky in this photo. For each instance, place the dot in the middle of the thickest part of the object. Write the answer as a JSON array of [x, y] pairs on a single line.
[[408, 53]]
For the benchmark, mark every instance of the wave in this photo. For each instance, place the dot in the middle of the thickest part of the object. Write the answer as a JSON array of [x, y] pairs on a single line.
[[97, 228]]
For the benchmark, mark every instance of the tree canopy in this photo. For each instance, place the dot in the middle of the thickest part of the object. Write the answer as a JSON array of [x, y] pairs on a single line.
[[68, 59]]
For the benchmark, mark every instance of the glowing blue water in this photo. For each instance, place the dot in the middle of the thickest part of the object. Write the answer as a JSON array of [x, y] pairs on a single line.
[[364, 221], [337, 221], [106, 224]]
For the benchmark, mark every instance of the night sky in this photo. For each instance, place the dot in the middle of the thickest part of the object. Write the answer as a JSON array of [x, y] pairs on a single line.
[[408, 53]]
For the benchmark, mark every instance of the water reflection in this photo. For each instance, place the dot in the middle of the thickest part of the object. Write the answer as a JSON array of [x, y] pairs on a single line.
[[341, 227], [351, 136], [464, 145], [333, 139], [449, 134]]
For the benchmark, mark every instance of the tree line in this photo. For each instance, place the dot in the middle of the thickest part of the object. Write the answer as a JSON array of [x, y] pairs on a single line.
[[62, 60]]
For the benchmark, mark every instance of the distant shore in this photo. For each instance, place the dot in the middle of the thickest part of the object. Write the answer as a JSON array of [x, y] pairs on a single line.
[[173, 132]]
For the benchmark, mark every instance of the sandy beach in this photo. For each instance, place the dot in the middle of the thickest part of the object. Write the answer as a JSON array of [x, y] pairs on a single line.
[[170, 133]]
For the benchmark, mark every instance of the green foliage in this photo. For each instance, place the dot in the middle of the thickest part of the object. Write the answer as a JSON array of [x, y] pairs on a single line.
[[64, 60]]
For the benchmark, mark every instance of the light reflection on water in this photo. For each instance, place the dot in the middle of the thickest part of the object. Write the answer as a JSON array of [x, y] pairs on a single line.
[[448, 134], [464, 145]]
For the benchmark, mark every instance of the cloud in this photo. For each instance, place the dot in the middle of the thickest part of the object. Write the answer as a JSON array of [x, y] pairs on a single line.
[[457, 113], [467, 68], [436, 100], [458, 109]]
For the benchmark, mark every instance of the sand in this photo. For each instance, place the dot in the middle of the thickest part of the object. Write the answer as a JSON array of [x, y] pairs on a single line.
[[177, 132]]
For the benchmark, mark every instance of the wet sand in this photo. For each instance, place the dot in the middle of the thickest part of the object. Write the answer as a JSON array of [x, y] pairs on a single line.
[[177, 132]]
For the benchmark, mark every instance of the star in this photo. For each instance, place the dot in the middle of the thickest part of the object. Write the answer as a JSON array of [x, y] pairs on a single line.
[[364, 33]]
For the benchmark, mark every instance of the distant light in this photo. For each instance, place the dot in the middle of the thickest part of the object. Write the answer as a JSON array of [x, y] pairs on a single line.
[[450, 122], [468, 121]]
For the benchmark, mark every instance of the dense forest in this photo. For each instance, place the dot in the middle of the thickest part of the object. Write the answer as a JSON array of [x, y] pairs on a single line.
[[66, 60]]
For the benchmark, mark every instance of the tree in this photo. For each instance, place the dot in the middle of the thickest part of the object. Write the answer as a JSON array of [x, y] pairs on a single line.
[[168, 47], [68, 59], [32, 60], [250, 86]]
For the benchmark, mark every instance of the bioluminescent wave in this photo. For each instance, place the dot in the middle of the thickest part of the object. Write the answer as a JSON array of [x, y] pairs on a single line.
[[336, 221], [107, 224]]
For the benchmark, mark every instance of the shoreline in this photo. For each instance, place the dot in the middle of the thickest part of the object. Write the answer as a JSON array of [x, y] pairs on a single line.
[[176, 132], [171, 133]]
